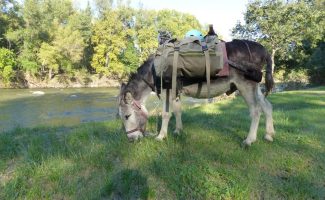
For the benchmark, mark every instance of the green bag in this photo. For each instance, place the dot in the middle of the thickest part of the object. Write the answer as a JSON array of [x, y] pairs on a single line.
[[191, 60]]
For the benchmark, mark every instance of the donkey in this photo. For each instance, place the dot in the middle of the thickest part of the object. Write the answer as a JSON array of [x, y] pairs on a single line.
[[133, 95]]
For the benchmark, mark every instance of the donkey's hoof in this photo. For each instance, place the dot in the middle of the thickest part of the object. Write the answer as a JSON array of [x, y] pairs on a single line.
[[160, 138], [177, 132], [268, 138], [247, 143]]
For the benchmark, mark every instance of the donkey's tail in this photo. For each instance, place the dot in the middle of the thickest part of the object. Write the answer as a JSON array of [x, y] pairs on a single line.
[[269, 82]]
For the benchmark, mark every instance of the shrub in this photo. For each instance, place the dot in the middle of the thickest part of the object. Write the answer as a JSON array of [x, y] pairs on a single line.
[[7, 65]]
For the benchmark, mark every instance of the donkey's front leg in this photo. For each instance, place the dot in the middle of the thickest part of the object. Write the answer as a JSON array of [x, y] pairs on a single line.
[[164, 124], [177, 108]]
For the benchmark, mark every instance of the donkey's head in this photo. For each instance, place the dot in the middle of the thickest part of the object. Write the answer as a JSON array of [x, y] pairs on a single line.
[[133, 114]]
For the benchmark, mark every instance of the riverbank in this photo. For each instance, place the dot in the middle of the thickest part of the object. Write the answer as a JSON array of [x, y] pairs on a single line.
[[96, 161], [62, 81]]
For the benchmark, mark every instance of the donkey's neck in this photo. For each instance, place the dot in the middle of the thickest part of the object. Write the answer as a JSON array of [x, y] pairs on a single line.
[[141, 87], [141, 83]]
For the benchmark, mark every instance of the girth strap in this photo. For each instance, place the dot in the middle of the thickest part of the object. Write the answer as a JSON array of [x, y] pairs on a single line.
[[207, 65], [174, 75]]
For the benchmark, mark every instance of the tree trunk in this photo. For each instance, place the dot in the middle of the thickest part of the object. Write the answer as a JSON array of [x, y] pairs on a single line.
[[272, 58], [107, 60], [50, 74]]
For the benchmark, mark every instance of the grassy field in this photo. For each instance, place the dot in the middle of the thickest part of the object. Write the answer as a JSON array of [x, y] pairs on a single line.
[[95, 160]]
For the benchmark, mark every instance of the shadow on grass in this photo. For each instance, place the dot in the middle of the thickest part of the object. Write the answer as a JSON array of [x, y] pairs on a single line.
[[60, 162], [127, 184]]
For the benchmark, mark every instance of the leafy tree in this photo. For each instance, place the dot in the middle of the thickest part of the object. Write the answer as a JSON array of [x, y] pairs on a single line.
[[145, 33], [130, 59], [317, 63], [176, 22], [65, 53], [7, 65], [109, 40], [288, 29], [82, 21], [49, 57], [9, 20], [50, 37]]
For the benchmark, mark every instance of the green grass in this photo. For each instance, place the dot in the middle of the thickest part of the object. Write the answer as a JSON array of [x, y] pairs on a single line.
[[95, 160]]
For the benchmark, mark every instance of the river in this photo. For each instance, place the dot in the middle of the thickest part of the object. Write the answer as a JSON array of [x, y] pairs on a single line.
[[55, 107], [62, 107]]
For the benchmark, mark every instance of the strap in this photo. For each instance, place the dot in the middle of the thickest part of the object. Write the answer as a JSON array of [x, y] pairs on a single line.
[[249, 51], [134, 130], [174, 74], [167, 101], [207, 65], [199, 89]]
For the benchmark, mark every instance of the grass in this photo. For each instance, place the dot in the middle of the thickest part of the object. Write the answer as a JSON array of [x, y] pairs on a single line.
[[95, 160]]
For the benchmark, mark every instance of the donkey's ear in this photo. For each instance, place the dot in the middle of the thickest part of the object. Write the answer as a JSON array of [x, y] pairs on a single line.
[[128, 98]]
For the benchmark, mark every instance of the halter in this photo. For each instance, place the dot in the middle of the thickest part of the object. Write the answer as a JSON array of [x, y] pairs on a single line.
[[136, 105], [137, 108]]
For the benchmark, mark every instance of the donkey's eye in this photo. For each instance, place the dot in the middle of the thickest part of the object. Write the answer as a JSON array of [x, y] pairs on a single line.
[[127, 116]]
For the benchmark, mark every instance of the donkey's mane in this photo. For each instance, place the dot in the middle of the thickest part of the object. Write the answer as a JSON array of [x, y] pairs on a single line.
[[136, 83], [141, 71]]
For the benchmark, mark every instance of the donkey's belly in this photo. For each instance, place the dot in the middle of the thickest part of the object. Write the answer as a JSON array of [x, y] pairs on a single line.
[[200, 90]]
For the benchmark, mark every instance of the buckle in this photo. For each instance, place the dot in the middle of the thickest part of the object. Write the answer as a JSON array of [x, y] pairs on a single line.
[[205, 47], [176, 48]]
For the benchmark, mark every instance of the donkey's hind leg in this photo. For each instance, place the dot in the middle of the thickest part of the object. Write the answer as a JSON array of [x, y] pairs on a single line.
[[177, 108], [267, 109], [249, 92], [165, 121]]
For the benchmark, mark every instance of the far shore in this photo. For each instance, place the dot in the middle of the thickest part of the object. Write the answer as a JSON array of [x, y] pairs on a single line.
[[93, 81]]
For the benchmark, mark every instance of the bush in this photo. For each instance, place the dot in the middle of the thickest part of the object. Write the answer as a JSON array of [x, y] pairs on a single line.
[[291, 80], [297, 76], [317, 63], [7, 65]]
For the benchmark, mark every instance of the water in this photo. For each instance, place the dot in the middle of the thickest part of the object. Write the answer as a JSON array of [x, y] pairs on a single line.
[[63, 107], [55, 107]]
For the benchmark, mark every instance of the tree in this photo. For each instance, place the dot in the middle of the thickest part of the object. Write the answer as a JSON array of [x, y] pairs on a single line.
[[64, 53], [109, 40], [49, 57], [176, 23], [9, 20], [82, 21], [7, 65], [285, 28]]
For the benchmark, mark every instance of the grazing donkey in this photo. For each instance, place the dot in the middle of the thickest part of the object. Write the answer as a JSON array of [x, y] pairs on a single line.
[[243, 53]]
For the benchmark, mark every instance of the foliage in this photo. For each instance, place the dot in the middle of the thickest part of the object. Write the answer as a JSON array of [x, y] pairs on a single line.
[[9, 21], [109, 40], [51, 37], [7, 65], [291, 30], [317, 63]]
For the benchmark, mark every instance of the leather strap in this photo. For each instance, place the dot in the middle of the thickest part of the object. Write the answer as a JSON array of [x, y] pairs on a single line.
[[167, 101], [174, 74], [134, 130], [207, 65]]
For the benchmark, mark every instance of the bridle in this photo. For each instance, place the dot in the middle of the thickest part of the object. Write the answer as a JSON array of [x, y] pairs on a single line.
[[136, 106]]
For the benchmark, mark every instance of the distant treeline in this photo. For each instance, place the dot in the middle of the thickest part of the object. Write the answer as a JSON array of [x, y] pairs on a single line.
[[46, 38]]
